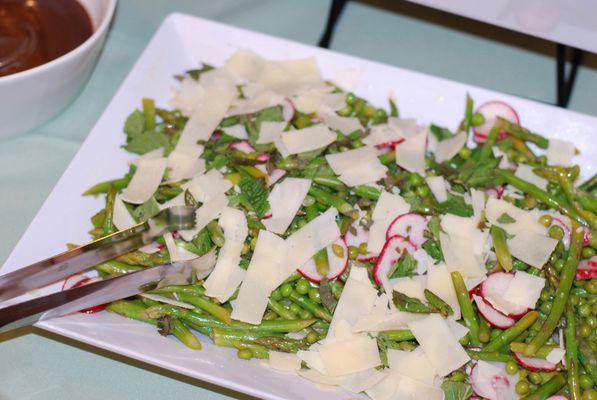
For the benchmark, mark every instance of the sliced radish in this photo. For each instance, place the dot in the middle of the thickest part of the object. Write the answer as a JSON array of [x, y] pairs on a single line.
[[588, 237], [557, 397], [389, 145], [534, 364], [288, 110], [492, 291], [356, 236], [72, 281], [410, 225], [392, 250], [491, 315], [587, 269], [496, 191], [275, 176], [491, 111], [337, 264], [566, 239], [490, 381], [243, 146], [263, 157]]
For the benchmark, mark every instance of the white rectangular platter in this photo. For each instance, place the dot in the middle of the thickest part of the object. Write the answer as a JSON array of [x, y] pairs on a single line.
[[181, 43]]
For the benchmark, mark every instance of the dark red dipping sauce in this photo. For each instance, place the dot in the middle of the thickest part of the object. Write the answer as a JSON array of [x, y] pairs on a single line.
[[34, 32]]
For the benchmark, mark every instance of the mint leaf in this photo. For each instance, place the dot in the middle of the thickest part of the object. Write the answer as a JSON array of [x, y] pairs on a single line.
[[455, 205], [134, 125], [255, 193], [456, 390], [202, 242], [146, 141], [440, 133], [146, 210], [433, 248], [505, 219], [405, 266]]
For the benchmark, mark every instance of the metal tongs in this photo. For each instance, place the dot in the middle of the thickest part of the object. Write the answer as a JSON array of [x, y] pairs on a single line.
[[81, 258]]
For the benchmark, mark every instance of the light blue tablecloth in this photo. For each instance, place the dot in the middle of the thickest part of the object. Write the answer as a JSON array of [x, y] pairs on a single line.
[[34, 365]]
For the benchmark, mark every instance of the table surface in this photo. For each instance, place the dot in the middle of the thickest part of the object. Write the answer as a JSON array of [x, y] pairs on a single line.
[[570, 22], [44, 366]]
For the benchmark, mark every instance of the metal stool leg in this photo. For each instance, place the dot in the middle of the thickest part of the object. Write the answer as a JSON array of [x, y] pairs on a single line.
[[335, 11], [566, 81]]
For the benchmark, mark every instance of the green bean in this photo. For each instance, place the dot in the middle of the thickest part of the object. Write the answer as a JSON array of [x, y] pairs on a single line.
[[183, 334], [311, 306], [216, 233], [397, 335], [108, 225], [498, 235], [281, 310], [206, 305], [324, 197], [571, 354], [561, 297], [131, 309], [489, 355], [114, 268], [507, 336], [550, 387], [466, 308], [524, 134], [330, 181]]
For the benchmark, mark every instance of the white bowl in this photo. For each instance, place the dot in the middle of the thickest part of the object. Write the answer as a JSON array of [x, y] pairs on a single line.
[[32, 97]]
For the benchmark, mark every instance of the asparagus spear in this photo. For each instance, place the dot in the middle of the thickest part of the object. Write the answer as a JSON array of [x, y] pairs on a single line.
[[498, 235], [548, 388], [572, 354], [466, 308], [513, 332]]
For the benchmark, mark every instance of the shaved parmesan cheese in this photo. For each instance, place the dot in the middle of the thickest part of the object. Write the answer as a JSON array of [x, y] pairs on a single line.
[[439, 187], [410, 154], [362, 380], [348, 356], [347, 78], [387, 208], [325, 381], [385, 389], [555, 356], [439, 282], [424, 261], [459, 331], [405, 126], [384, 322], [357, 167], [206, 117], [257, 102], [237, 131], [202, 266], [410, 286], [448, 148], [245, 65], [560, 152], [345, 125], [314, 236], [184, 163], [207, 186], [261, 278], [309, 102], [409, 388], [526, 172], [334, 101], [187, 96], [413, 364], [167, 300], [286, 362], [312, 359], [227, 274], [532, 248], [382, 134], [146, 180], [478, 203], [307, 139], [285, 199], [524, 220], [439, 344], [209, 211], [270, 131], [121, 216], [281, 147], [460, 256], [524, 289], [175, 201]]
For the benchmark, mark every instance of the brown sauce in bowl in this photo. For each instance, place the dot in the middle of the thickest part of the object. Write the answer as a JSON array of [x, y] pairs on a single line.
[[34, 32]]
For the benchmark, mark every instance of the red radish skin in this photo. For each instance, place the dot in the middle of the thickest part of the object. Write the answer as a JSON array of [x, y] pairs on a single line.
[[391, 252], [243, 146], [493, 288], [491, 315], [337, 264], [360, 235], [389, 145], [263, 157], [71, 281], [410, 225], [78, 280], [534, 364], [496, 191], [588, 237], [288, 110], [557, 397], [567, 233], [587, 269], [491, 110]]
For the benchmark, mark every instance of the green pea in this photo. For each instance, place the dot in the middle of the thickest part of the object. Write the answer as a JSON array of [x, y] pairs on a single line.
[[314, 295], [302, 286], [465, 153], [305, 314], [244, 354], [381, 114], [585, 381], [312, 337], [295, 308], [556, 232], [353, 252], [585, 330], [545, 295], [591, 321], [477, 119], [535, 377], [594, 307], [345, 111], [591, 286], [286, 289], [338, 250], [522, 387], [546, 220], [369, 111], [545, 307], [519, 265], [495, 333], [423, 191], [511, 368], [276, 295], [534, 271], [357, 143], [415, 179], [559, 264], [589, 394], [458, 376], [574, 299], [363, 248], [584, 310], [350, 98], [588, 252], [270, 316]]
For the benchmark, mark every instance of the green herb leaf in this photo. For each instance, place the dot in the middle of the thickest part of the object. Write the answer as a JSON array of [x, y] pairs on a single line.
[[433, 248], [405, 266], [440, 133], [410, 304], [455, 205], [146, 141], [456, 390], [393, 109], [134, 125], [255, 193], [505, 219], [203, 242], [146, 210]]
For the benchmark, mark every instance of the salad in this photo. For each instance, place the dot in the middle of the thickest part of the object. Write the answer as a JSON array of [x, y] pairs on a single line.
[[357, 248]]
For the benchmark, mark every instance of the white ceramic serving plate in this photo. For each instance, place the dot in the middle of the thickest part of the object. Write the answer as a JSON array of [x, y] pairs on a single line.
[[32, 97], [181, 43]]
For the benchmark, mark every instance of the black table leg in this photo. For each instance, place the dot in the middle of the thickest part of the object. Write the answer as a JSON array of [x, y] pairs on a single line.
[[335, 11], [566, 81]]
